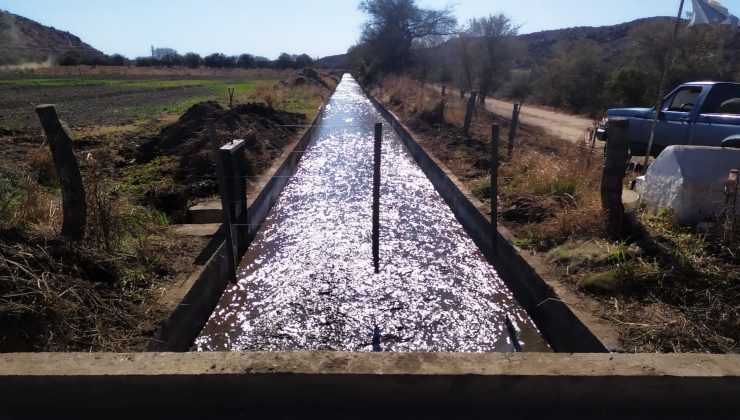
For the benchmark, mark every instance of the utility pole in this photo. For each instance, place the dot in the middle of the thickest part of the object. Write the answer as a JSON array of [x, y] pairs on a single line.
[[661, 90]]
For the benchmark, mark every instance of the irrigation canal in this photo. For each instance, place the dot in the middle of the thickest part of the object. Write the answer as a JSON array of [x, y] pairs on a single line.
[[307, 281]]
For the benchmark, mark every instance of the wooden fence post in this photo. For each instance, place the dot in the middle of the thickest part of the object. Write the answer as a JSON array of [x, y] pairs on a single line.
[[73, 191], [231, 97], [469, 112], [615, 165], [495, 130], [512, 129], [444, 90], [462, 93], [376, 196]]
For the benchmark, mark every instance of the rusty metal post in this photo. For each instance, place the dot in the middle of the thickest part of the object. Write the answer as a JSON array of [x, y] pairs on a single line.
[[74, 202], [469, 112], [615, 165], [376, 196]]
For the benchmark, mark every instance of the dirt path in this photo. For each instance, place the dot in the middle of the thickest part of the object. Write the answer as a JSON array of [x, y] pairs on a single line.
[[567, 127]]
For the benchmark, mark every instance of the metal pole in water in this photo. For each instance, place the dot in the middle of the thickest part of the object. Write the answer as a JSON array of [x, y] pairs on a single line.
[[512, 335], [376, 197], [495, 130]]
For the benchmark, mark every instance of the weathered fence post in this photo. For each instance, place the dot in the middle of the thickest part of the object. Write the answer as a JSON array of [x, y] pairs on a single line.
[[482, 100], [469, 112], [444, 90], [615, 165], [462, 93], [512, 129], [73, 191], [231, 97], [495, 130], [376, 196]]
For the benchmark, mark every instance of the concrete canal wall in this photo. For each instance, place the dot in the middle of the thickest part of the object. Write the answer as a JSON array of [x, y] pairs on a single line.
[[558, 324]]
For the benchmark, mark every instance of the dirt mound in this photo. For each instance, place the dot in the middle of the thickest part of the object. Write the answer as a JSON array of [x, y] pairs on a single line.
[[265, 130]]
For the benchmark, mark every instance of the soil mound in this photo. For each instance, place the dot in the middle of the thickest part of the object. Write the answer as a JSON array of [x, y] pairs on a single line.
[[265, 130]]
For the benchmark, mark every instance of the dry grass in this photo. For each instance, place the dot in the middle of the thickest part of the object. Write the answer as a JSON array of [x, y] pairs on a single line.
[[560, 177]]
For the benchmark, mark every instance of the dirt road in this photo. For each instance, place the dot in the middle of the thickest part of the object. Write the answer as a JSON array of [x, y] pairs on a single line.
[[568, 127]]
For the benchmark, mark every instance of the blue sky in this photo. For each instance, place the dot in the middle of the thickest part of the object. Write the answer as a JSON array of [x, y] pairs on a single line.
[[316, 27]]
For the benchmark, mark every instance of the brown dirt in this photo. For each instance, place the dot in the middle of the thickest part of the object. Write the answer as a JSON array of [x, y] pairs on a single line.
[[265, 130]]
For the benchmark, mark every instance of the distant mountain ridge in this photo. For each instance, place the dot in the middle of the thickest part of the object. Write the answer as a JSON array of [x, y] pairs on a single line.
[[26, 42], [611, 37]]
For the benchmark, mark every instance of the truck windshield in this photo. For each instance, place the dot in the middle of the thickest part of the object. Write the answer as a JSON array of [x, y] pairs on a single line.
[[723, 99], [684, 99]]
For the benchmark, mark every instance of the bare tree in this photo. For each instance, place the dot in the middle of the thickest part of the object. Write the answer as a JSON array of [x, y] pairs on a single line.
[[393, 27], [494, 35]]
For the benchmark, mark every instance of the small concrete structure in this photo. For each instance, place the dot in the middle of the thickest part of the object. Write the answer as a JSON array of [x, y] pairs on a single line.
[[690, 180], [199, 230], [206, 212]]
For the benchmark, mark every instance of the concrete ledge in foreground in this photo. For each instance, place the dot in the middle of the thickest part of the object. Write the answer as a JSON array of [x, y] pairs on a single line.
[[615, 384]]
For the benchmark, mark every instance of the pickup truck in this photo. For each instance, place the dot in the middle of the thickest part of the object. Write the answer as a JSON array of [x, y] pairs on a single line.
[[697, 113]]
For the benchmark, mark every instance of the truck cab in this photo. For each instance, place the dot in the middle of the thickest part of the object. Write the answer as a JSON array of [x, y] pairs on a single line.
[[697, 113]]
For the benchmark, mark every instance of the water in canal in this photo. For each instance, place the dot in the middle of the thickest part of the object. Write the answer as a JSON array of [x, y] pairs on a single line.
[[307, 281]]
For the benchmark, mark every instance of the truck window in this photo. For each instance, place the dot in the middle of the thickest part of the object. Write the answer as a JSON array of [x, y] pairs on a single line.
[[684, 99], [723, 99]]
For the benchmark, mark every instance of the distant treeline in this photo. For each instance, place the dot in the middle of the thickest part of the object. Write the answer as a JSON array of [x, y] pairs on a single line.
[[168, 57], [581, 69]]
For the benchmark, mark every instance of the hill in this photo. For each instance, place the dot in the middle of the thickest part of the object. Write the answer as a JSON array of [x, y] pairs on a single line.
[[613, 39], [24, 42]]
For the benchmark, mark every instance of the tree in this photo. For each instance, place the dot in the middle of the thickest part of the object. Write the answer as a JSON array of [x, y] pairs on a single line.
[[163, 53], [285, 61], [167, 56], [493, 36], [303, 61], [147, 62], [117, 60], [392, 29], [261, 62], [218, 61], [246, 61], [192, 60], [574, 77]]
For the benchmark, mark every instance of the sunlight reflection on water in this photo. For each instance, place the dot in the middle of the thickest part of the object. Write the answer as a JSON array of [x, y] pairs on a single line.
[[307, 281]]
